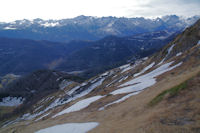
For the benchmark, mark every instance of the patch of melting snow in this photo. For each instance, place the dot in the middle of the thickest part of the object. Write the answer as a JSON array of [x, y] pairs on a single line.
[[42, 116], [126, 69], [161, 61], [29, 116], [76, 88], [145, 58], [79, 105], [94, 80], [38, 108], [120, 100], [168, 52], [111, 83], [198, 43], [161, 37], [170, 49], [114, 76], [46, 99], [105, 74], [144, 70], [132, 66], [124, 66], [11, 101], [178, 54], [64, 84], [73, 89], [145, 80], [52, 24], [58, 78], [70, 128], [9, 28], [122, 79], [59, 101], [88, 90], [7, 123]]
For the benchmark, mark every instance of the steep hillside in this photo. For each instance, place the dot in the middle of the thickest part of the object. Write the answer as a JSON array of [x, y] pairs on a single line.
[[7, 79], [29, 89], [22, 56], [91, 28], [112, 51], [157, 94]]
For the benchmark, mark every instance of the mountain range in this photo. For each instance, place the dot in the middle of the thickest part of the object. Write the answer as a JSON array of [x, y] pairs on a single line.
[[159, 93], [67, 45], [91, 28]]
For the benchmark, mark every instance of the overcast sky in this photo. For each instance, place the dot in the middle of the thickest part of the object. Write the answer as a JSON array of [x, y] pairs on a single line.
[[11, 10]]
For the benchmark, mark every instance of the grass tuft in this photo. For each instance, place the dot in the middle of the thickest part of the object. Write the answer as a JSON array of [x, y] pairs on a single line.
[[172, 92]]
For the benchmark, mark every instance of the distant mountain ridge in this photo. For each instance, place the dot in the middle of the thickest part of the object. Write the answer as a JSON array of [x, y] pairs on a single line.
[[91, 28]]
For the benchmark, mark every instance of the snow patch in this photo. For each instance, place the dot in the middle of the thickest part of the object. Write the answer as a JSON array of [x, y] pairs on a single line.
[[126, 69], [105, 74], [161, 61], [110, 24], [144, 70], [9, 28], [122, 79], [38, 108], [129, 67], [113, 81], [178, 54], [7, 123], [124, 66], [79, 105], [170, 49], [86, 91], [70, 128], [145, 58], [52, 24], [120, 100], [145, 80], [72, 97], [64, 84], [29, 116], [73, 90], [11, 101], [168, 52], [161, 37], [42, 116], [198, 43]]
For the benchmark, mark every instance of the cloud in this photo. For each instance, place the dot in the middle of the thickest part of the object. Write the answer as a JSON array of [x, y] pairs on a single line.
[[58, 9], [156, 8]]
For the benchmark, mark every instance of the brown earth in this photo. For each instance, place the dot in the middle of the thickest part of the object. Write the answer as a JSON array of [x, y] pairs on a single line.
[[180, 114]]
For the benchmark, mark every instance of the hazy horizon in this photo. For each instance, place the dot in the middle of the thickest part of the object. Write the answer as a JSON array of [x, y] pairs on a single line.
[[62, 9], [99, 17]]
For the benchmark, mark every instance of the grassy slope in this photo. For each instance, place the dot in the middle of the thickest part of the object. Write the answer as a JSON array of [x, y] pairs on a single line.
[[178, 113], [172, 92], [134, 114]]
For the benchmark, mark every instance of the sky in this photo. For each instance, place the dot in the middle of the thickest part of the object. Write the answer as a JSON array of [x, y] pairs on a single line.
[[11, 10]]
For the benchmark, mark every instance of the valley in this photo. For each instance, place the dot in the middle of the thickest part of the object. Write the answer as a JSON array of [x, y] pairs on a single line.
[[158, 93]]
